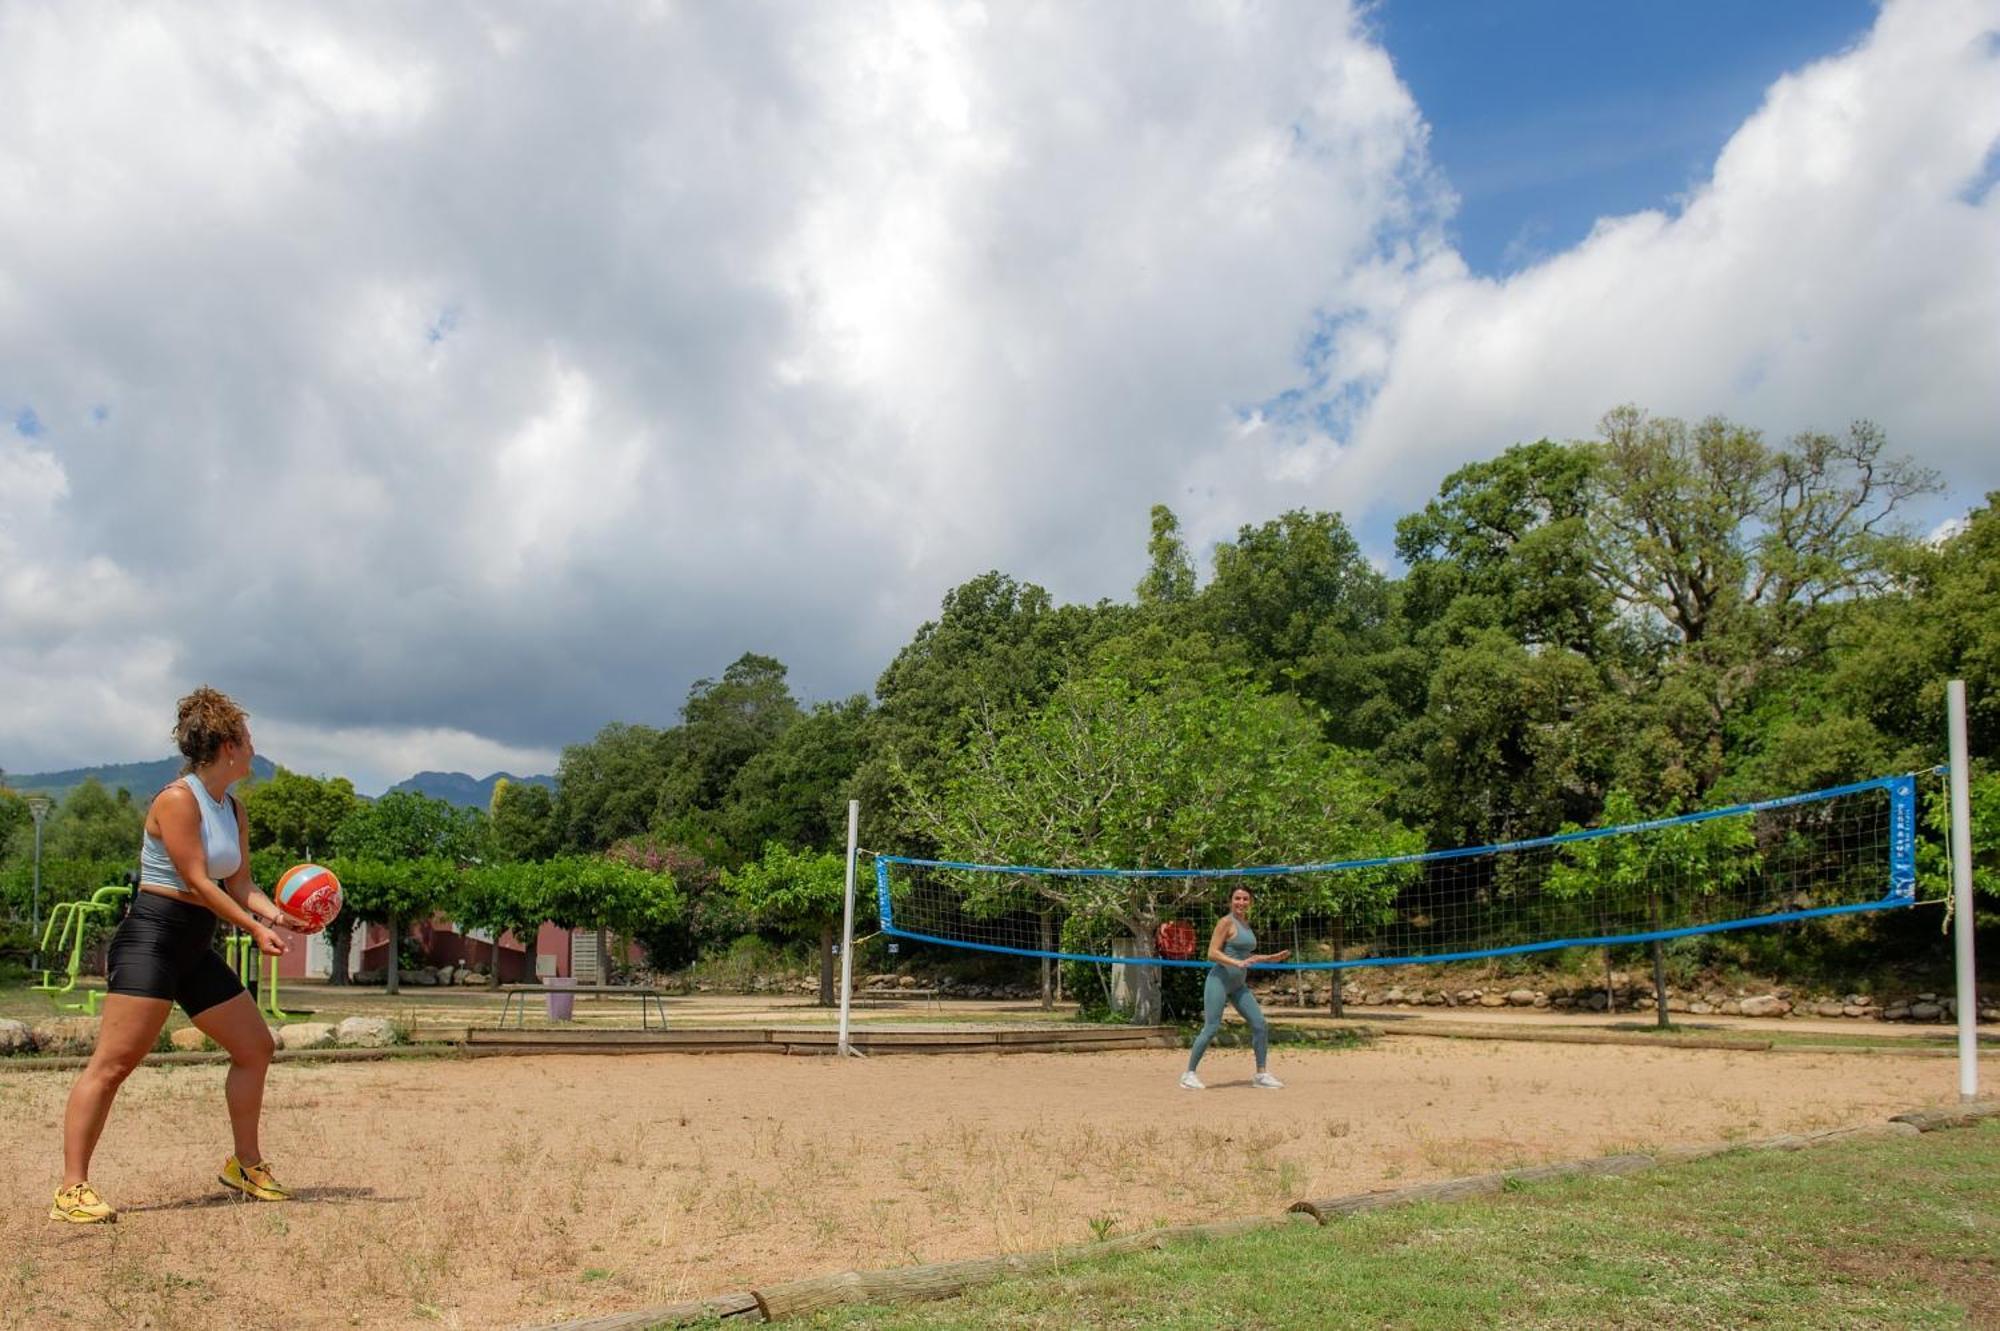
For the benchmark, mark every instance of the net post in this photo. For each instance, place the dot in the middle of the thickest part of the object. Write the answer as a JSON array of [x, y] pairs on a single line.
[[1961, 891], [846, 1049]]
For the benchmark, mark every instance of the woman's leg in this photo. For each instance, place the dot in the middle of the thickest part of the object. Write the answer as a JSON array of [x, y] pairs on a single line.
[[1260, 1030], [1213, 998], [125, 1036], [238, 1027]]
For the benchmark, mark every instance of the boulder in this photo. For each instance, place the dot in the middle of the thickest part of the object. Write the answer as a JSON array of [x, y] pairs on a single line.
[[1829, 1008], [364, 1033], [1493, 1000], [14, 1037], [1922, 1011], [188, 1040], [1697, 1009], [1896, 1012], [1541, 1000], [305, 1035], [1432, 999], [1856, 1010], [1989, 1014], [1522, 998], [1764, 1005], [1733, 1007], [65, 1035], [907, 982]]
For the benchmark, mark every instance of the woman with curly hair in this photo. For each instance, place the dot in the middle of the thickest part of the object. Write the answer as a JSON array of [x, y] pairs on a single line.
[[194, 871]]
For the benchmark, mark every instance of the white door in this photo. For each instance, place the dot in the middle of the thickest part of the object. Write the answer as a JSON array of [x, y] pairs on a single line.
[[586, 956]]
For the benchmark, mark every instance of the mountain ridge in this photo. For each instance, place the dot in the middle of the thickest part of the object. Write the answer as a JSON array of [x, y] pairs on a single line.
[[144, 778]]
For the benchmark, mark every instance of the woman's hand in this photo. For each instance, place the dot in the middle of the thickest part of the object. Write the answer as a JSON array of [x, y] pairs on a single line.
[[267, 942]]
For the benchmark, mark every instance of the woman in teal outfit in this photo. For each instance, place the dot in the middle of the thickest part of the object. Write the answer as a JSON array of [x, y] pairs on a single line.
[[1230, 947]]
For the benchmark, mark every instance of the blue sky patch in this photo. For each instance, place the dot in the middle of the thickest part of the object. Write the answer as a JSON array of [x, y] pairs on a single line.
[[1546, 115]]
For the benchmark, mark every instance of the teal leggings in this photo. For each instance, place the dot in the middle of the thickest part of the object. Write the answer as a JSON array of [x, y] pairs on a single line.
[[1215, 994]]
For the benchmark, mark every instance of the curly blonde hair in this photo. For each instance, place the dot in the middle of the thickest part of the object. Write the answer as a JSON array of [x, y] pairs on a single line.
[[206, 720]]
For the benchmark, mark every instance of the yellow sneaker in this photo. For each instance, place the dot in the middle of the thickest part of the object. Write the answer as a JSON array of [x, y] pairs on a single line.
[[252, 1181], [81, 1205]]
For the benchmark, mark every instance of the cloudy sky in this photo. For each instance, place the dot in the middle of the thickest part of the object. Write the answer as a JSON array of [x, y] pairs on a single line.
[[447, 380]]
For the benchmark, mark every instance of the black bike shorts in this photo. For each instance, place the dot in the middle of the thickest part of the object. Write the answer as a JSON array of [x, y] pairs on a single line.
[[166, 949]]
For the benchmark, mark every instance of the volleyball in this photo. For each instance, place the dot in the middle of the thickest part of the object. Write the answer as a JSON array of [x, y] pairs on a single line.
[[310, 892]]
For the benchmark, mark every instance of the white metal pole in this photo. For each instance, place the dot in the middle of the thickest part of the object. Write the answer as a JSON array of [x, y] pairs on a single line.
[[847, 925], [38, 807], [1961, 892]]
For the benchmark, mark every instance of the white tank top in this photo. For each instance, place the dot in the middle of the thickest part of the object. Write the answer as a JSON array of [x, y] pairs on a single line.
[[219, 842]]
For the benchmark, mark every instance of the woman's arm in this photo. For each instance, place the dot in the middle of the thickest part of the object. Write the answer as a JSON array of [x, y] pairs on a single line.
[[1225, 929], [243, 888], [180, 833]]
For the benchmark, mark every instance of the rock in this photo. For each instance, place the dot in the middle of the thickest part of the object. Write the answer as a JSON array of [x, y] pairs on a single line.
[[1922, 1011], [1830, 1008], [1563, 1001], [65, 1035], [1522, 997], [188, 1040], [1859, 1000], [1856, 1010], [1541, 1000], [1493, 1000], [1896, 1012], [1765, 1005], [364, 1033], [1700, 1009], [1432, 999], [305, 1035], [14, 1037], [1926, 998], [1468, 996], [1678, 1005], [1989, 1014], [1733, 1007], [369, 977]]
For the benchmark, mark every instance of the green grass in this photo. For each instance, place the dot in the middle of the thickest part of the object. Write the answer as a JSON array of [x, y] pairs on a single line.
[[1892, 1233]]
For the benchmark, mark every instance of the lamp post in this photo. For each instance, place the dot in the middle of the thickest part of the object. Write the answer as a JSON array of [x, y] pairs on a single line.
[[38, 808]]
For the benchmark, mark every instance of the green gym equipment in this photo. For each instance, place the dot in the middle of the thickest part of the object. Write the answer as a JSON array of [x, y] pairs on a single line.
[[241, 951], [69, 927]]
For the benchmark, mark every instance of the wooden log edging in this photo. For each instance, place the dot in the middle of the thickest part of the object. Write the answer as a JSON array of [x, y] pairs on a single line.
[[1955, 1116]]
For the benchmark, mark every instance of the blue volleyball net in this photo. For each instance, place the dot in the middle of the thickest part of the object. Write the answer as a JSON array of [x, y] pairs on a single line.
[[1842, 851]]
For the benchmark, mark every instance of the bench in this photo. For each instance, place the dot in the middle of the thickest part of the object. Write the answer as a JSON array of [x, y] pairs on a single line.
[[645, 994], [872, 995]]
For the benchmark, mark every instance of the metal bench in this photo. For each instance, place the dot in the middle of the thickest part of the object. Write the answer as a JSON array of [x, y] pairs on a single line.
[[645, 994]]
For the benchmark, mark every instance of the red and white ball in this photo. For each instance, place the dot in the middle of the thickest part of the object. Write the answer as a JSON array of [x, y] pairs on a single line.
[[311, 892]]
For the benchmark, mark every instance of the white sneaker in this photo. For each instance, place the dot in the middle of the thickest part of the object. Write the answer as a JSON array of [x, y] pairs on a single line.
[[1190, 1082], [1264, 1081]]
